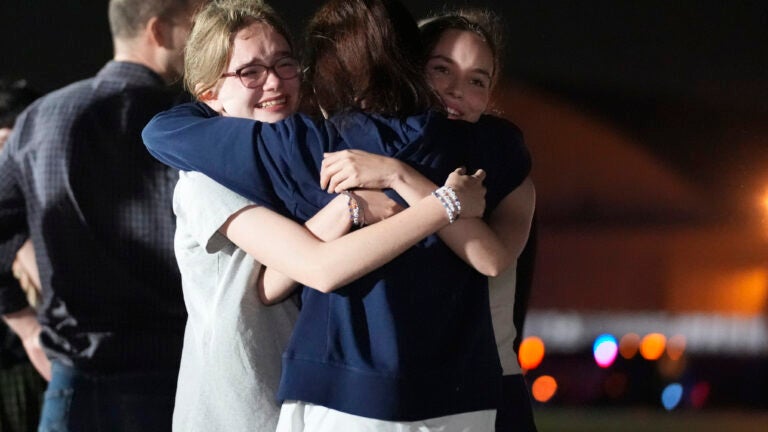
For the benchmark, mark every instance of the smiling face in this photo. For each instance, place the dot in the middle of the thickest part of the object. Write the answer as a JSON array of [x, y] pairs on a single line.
[[460, 69], [276, 98]]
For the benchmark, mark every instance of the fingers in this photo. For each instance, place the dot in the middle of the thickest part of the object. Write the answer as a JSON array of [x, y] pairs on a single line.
[[331, 170], [479, 174]]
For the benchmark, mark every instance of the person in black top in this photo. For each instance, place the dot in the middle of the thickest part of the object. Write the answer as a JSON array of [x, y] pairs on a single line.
[[76, 179], [21, 387]]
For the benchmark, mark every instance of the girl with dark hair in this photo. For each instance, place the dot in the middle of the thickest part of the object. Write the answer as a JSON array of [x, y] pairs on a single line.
[[409, 345], [463, 66], [464, 57]]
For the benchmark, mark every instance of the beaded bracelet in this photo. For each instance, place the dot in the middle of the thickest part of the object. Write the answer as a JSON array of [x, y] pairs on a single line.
[[450, 201], [356, 214]]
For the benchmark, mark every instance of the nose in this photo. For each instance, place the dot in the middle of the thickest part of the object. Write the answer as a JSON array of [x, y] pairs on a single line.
[[453, 88], [272, 81]]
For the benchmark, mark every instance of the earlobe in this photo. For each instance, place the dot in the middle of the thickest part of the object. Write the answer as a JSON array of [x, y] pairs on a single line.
[[205, 95], [210, 98]]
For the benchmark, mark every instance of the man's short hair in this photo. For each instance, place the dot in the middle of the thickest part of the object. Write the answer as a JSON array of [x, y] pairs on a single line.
[[128, 17]]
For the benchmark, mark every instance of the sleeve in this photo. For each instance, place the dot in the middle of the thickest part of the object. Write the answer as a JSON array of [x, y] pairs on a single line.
[[274, 165], [505, 157], [192, 137], [202, 206], [13, 231]]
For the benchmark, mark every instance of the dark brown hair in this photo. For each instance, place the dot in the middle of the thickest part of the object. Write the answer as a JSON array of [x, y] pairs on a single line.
[[482, 22], [366, 55]]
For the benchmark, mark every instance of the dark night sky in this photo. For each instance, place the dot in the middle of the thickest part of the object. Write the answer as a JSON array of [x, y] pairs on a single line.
[[629, 48], [681, 76]]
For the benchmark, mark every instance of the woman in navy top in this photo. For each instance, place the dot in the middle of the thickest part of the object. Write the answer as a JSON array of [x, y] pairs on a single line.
[[464, 54]]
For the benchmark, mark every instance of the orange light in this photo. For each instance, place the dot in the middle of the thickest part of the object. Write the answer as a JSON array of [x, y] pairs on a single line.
[[676, 347], [628, 345], [671, 370], [764, 201], [652, 346], [531, 353], [543, 388]]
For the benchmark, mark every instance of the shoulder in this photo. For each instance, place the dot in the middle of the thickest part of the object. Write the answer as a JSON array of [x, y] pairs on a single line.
[[68, 98], [504, 138], [51, 115], [197, 185]]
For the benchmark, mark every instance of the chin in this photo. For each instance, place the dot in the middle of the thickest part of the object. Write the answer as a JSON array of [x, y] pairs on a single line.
[[265, 117]]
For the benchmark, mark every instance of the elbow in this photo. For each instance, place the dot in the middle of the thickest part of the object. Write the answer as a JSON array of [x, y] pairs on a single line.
[[494, 267], [490, 271], [267, 300], [326, 286], [320, 278]]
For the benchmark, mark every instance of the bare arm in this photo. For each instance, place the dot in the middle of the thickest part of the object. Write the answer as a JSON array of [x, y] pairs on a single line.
[[293, 251], [330, 223], [490, 247], [24, 323]]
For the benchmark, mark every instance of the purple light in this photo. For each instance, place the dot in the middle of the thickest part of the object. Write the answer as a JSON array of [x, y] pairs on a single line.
[[605, 349]]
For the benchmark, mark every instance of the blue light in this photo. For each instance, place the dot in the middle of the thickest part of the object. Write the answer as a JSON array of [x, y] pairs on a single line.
[[671, 396]]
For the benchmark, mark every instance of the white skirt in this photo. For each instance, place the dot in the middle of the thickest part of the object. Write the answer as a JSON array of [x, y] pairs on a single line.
[[298, 416]]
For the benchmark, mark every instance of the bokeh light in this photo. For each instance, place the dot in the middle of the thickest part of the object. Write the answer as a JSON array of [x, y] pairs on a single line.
[[652, 346], [676, 347], [543, 388], [604, 350], [700, 394], [531, 352], [615, 385], [629, 345], [671, 369], [671, 396]]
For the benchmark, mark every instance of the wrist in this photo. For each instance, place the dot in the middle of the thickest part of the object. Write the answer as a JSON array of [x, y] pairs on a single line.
[[356, 211], [450, 201], [401, 176], [24, 323]]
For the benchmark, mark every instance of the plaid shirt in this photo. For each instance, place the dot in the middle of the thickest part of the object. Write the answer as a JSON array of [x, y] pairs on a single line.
[[76, 177]]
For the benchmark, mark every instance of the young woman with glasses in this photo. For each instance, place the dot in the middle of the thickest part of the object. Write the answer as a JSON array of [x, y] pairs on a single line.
[[240, 63]]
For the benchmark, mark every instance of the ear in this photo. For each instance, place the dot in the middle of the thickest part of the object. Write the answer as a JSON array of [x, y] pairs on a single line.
[[159, 32], [210, 98]]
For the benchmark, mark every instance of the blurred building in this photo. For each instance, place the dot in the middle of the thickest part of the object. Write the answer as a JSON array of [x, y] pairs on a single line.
[[631, 245]]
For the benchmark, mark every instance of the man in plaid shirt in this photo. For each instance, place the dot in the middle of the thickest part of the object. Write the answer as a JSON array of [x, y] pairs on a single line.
[[76, 178]]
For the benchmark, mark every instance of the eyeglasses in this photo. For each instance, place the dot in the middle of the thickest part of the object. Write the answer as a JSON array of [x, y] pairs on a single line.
[[254, 75]]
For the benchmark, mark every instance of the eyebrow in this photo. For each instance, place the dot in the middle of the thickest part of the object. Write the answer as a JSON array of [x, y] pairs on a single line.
[[279, 55], [450, 60]]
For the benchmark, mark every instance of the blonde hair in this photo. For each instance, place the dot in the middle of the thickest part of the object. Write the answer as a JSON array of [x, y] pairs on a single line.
[[209, 46]]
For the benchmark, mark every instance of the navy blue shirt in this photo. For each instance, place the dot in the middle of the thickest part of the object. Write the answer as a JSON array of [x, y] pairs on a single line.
[[411, 340], [75, 176]]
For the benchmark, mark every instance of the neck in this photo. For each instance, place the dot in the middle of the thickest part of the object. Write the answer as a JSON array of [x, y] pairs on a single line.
[[135, 52]]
